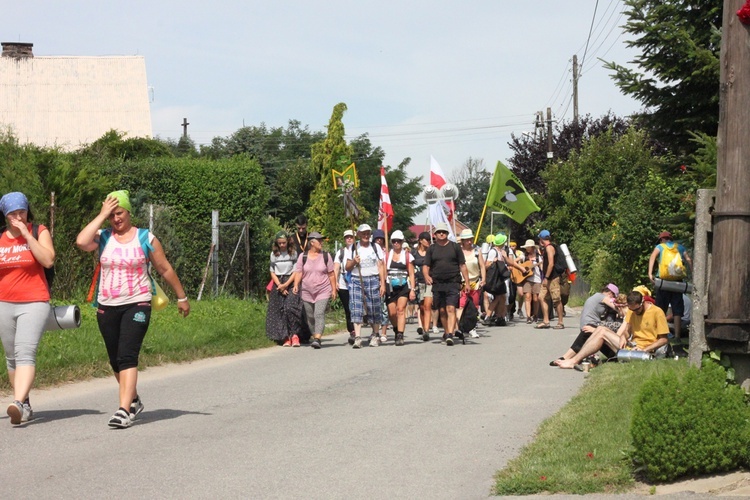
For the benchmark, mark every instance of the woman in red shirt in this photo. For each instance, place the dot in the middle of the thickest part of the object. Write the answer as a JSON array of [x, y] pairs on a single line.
[[24, 298]]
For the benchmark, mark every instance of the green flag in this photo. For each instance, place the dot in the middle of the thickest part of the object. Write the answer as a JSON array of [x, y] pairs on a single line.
[[507, 195]]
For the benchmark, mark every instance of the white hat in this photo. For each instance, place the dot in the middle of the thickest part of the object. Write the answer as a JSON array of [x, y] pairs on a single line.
[[466, 234], [397, 235], [441, 226], [529, 244], [348, 232], [364, 227]]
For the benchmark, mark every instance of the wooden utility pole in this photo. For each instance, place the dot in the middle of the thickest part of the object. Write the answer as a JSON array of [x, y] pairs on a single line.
[[728, 322], [550, 154], [184, 127], [575, 88]]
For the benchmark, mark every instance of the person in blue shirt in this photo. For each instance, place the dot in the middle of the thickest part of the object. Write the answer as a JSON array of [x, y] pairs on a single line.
[[666, 298]]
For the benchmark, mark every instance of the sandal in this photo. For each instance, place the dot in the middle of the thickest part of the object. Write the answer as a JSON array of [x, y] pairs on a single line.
[[558, 327], [529, 321], [554, 361], [542, 326]]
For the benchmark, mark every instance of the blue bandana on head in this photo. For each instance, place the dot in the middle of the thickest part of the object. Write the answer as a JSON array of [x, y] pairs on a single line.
[[12, 202]]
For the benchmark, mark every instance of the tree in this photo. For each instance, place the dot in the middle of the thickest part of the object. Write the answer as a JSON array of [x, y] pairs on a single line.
[[529, 160], [326, 211], [677, 75], [473, 182], [404, 191], [608, 202]]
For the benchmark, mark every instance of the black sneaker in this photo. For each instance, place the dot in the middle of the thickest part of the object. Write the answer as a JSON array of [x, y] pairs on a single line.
[[420, 331], [501, 322], [448, 339], [351, 338], [315, 344], [399, 338], [459, 335], [488, 321]]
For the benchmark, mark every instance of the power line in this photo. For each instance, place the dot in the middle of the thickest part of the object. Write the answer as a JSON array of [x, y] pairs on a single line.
[[583, 60]]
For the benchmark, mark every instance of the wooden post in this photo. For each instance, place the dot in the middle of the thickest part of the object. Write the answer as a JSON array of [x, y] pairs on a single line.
[[728, 322], [575, 88]]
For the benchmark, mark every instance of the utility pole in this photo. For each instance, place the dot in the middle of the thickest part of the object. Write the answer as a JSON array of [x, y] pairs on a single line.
[[575, 88], [539, 126], [728, 322], [550, 154], [184, 127]]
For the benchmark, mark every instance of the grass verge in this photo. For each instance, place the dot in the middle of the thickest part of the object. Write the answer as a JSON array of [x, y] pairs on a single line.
[[213, 328], [585, 447]]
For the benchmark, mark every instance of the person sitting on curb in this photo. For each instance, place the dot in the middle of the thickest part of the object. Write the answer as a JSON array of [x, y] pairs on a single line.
[[644, 322]]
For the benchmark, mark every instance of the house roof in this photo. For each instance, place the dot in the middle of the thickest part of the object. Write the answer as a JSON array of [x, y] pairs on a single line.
[[71, 101]]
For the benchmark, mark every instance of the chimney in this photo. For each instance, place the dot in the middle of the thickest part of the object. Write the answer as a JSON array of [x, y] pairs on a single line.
[[18, 50]]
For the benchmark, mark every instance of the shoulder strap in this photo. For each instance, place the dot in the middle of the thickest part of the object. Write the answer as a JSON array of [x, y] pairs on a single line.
[[143, 234], [304, 259], [103, 239]]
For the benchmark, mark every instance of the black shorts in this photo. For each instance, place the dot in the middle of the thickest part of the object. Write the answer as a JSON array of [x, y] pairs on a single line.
[[445, 294]]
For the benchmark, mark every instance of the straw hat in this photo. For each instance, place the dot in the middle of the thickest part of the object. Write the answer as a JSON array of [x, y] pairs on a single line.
[[529, 244]]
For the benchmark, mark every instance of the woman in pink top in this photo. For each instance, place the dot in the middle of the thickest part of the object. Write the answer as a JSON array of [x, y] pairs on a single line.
[[24, 297], [124, 295], [314, 271]]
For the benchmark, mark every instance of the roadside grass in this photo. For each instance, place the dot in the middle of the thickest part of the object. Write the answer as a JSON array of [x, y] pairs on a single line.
[[213, 328], [585, 447]]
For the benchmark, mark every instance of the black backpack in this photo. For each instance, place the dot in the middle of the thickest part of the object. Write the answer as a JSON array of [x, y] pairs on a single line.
[[49, 274], [469, 318], [560, 264]]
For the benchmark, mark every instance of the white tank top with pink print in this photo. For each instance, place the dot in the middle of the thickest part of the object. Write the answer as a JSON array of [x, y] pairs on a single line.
[[124, 273]]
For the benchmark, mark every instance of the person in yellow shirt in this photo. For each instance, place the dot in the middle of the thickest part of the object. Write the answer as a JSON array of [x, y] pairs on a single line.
[[644, 329]]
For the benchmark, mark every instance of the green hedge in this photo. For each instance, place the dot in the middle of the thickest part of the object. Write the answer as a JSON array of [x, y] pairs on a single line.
[[690, 425]]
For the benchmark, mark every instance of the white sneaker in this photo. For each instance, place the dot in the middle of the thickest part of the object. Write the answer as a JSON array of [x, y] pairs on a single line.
[[357, 343], [435, 330], [384, 338], [374, 341], [474, 333]]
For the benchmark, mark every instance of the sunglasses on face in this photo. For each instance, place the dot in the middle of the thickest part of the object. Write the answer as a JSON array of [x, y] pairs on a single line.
[[441, 232], [638, 307], [397, 241]]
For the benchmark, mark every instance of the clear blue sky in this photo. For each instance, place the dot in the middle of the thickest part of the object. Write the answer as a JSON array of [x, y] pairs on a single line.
[[442, 78]]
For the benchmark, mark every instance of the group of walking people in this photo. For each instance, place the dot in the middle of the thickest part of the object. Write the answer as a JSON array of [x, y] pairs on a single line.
[[124, 291], [376, 284]]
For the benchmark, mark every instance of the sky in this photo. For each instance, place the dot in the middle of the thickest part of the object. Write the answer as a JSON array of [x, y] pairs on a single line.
[[437, 78]]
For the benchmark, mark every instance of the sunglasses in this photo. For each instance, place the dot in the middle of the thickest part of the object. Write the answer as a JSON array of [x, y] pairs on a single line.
[[441, 232], [638, 308], [397, 241]]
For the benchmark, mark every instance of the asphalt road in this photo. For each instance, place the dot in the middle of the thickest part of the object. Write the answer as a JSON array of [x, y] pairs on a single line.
[[419, 421]]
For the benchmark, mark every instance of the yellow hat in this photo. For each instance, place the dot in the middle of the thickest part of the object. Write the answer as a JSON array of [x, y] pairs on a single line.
[[490, 238], [643, 290]]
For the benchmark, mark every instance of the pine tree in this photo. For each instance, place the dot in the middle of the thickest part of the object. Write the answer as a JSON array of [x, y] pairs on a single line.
[[677, 75]]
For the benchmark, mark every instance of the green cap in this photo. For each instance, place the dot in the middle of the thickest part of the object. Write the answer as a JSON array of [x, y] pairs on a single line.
[[123, 199], [280, 234]]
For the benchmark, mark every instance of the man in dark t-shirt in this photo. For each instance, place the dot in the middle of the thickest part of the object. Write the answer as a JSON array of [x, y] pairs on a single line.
[[444, 264]]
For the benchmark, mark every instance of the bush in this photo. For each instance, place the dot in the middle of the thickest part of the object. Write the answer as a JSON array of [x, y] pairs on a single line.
[[696, 424]]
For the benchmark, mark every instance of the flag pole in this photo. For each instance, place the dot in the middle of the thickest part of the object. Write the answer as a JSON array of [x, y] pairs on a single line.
[[481, 219]]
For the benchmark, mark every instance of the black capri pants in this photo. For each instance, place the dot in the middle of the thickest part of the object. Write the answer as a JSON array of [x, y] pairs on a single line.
[[123, 329]]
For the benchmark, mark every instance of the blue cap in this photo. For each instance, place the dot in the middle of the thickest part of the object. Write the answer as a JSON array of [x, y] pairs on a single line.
[[544, 234], [12, 202], [378, 233]]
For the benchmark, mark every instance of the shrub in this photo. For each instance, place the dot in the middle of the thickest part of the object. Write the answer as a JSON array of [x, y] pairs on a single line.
[[696, 424]]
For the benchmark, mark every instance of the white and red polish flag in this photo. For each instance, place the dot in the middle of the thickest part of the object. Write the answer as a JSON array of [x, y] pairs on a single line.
[[385, 210], [437, 179]]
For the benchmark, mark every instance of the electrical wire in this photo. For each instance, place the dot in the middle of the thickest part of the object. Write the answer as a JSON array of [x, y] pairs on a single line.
[[583, 60]]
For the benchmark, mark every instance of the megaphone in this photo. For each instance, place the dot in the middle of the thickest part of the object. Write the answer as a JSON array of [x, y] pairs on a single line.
[[430, 193], [449, 191]]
